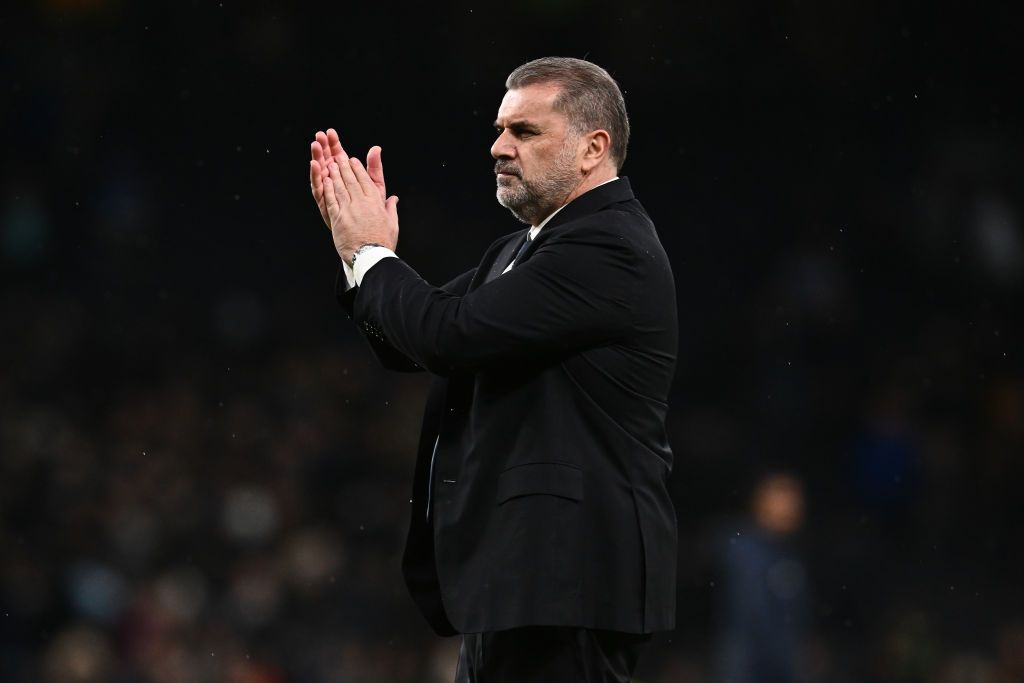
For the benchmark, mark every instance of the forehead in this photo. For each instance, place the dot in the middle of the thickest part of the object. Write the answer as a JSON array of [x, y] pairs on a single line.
[[533, 102]]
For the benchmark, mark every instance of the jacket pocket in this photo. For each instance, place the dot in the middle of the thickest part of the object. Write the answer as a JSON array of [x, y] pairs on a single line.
[[546, 478]]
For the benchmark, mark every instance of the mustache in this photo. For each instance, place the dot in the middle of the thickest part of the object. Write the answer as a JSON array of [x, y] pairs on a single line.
[[507, 168]]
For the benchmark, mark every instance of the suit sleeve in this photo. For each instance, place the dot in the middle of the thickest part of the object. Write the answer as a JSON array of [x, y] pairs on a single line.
[[387, 355], [575, 290]]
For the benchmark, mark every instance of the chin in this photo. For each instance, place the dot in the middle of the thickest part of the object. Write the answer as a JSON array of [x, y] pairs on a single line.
[[506, 197]]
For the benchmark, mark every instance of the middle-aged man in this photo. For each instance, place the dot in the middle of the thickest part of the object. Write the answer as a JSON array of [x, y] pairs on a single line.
[[542, 529]]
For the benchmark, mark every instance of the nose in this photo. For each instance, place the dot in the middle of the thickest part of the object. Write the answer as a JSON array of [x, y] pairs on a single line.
[[503, 147]]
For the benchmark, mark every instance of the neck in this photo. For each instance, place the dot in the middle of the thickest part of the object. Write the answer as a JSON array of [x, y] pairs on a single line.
[[586, 184], [590, 181]]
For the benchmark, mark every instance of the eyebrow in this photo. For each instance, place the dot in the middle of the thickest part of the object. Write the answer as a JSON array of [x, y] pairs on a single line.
[[519, 126]]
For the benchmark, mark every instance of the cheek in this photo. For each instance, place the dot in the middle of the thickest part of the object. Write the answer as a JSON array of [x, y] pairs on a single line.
[[535, 159]]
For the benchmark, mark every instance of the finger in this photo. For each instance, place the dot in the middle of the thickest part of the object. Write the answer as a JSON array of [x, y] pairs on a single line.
[[375, 167], [316, 182], [348, 176], [369, 189], [321, 155], [325, 168], [330, 196], [337, 151], [392, 208], [325, 149], [338, 184]]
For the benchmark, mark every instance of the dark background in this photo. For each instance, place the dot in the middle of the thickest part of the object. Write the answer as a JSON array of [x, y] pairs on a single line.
[[205, 476]]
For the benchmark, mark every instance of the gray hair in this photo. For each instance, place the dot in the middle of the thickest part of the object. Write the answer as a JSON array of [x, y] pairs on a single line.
[[590, 98]]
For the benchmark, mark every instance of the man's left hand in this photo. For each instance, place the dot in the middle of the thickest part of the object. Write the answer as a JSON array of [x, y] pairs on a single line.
[[357, 211]]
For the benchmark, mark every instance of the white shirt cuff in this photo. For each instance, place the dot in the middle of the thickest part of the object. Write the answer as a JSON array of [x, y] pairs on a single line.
[[350, 277], [368, 259]]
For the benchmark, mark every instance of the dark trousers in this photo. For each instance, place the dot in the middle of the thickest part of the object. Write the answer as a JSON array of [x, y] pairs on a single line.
[[548, 654]]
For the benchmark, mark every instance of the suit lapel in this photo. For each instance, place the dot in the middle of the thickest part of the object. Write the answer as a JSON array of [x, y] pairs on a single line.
[[495, 259], [502, 261]]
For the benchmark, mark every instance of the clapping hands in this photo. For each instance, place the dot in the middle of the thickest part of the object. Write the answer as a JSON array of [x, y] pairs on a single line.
[[352, 198]]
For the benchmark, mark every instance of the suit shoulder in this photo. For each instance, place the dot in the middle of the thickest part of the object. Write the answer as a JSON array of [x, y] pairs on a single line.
[[622, 219], [631, 211]]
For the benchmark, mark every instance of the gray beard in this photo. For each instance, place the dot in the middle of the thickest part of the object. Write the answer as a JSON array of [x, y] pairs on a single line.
[[531, 201]]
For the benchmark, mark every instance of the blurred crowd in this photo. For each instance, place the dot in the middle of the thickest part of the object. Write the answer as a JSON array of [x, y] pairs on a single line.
[[245, 524], [196, 527], [205, 478]]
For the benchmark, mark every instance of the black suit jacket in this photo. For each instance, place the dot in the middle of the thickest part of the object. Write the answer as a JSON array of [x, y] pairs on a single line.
[[549, 503]]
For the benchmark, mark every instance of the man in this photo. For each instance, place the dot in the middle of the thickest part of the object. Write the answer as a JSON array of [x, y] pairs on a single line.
[[762, 596], [541, 528]]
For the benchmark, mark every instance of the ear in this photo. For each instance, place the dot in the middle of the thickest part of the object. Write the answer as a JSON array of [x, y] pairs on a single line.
[[594, 146]]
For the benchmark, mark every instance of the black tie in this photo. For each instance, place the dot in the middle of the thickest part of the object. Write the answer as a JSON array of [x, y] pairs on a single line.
[[526, 243]]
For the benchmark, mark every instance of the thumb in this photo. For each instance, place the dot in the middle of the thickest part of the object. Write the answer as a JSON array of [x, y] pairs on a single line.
[[375, 169], [392, 207]]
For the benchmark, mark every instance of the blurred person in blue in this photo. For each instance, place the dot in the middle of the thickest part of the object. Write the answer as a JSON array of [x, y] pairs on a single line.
[[762, 596], [542, 529]]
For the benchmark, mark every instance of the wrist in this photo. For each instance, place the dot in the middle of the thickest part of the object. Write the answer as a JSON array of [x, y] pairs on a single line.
[[360, 249]]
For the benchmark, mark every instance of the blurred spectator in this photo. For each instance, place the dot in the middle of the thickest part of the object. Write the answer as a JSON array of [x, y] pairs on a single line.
[[763, 601]]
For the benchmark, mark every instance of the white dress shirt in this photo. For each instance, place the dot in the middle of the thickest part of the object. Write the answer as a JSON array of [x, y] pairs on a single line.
[[373, 255]]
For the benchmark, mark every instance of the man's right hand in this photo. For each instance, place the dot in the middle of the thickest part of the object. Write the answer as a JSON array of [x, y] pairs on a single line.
[[327, 148]]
